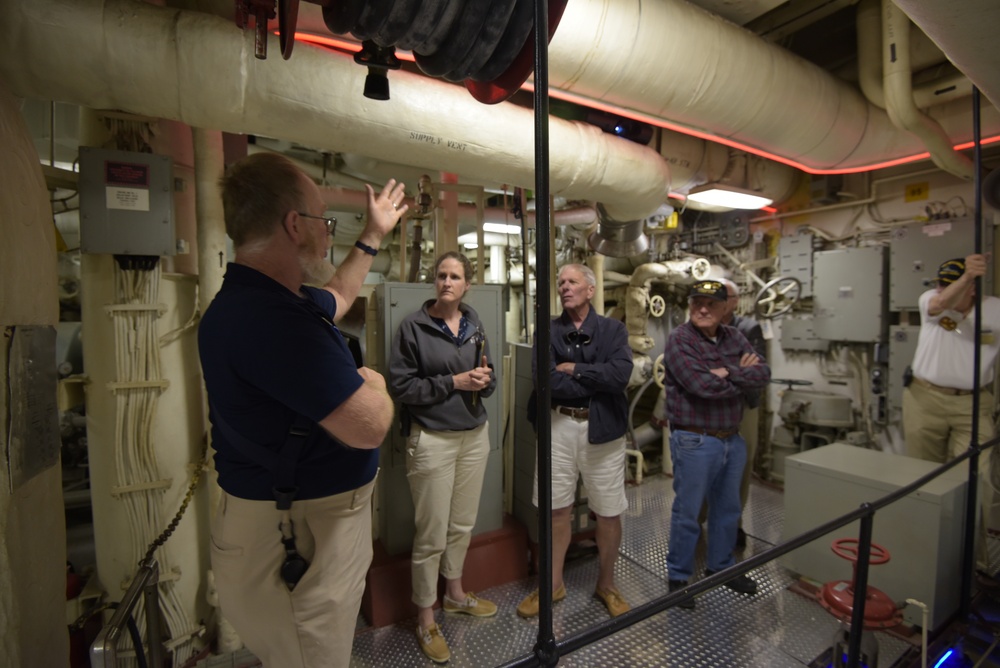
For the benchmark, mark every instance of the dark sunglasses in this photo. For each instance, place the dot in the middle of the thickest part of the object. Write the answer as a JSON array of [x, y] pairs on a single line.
[[577, 338]]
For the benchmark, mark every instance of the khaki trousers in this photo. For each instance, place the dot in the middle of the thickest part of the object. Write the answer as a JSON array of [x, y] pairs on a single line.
[[938, 427], [445, 470], [312, 626]]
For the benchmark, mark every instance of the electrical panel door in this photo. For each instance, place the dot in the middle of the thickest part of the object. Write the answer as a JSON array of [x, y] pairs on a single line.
[[393, 302], [918, 250], [849, 294]]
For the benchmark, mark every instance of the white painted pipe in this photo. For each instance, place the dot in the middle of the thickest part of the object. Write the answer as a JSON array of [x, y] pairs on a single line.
[[672, 60], [200, 69], [952, 86], [898, 86]]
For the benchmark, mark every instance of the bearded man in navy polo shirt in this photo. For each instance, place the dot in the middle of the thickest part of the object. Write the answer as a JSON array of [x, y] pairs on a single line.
[[295, 424], [709, 369]]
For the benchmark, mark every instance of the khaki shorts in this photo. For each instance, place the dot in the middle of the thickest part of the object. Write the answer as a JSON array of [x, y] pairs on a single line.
[[602, 466]]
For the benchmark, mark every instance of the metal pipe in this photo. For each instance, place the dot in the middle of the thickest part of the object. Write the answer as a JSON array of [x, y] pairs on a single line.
[[965, 594], [545, 649], [860, 587]]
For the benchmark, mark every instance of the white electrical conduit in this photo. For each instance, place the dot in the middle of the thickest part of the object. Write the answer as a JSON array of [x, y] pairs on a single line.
[[199, 69], [138, 484], [898, 86], [952, 86], [672, 60]]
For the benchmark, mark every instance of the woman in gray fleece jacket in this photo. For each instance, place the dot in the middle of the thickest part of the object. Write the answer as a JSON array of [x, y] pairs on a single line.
[[439, 370]]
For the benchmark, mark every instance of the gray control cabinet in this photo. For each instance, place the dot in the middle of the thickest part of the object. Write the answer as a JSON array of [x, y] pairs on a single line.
[[393, 302], [918, 250], [126, 203], [795, 255], [926, 553], [849, 294]]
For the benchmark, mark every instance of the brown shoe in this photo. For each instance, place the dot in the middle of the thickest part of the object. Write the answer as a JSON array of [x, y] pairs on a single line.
[[472, 605], [433, 644], [613, 601], [529, 606]]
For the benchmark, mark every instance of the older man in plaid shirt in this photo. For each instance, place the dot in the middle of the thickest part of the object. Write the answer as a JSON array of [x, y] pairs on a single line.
[[709, 366]]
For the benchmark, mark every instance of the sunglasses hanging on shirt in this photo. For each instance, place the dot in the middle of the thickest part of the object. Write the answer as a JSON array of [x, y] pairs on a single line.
[[577, 338]]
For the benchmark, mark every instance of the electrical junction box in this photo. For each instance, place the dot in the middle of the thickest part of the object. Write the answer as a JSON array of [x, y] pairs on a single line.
[[126, 203], [849, 294], [917, 250], [923, 532], [800, 334]]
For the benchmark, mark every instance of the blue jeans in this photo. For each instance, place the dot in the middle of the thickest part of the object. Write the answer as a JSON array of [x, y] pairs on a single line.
[[709, 468]]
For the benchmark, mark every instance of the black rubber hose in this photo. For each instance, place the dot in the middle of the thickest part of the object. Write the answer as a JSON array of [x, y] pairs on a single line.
[[519, 26], [490, 32], [460, 40], [341, 16]]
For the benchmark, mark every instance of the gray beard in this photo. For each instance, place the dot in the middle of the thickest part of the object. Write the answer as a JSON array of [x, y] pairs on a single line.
[[316, 271]]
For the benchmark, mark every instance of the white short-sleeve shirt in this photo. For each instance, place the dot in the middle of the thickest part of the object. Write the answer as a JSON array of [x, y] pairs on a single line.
[[946, 346]]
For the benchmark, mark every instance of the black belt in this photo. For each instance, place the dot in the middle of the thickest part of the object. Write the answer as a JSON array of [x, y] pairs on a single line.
[[950, 391], [721, 433], [578, 413]]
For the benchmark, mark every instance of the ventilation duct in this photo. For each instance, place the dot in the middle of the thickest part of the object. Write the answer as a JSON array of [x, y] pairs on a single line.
[[673, 61], [121, 54], [616, 238]]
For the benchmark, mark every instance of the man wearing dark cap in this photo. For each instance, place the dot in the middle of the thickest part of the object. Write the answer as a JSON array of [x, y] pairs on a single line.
[[709, 369], [937, 405]]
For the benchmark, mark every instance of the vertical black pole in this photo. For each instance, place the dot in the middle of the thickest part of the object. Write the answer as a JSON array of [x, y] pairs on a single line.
[[972, 501], [860, 588], [545, 649]]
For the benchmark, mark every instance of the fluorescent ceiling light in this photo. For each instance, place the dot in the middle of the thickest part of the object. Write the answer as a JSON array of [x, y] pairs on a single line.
[[501, 228], [732, 197], [471, 246]]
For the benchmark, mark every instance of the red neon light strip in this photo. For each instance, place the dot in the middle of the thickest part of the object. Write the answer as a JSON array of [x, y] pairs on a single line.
[[354, 47], [342, 44], [707, 136]]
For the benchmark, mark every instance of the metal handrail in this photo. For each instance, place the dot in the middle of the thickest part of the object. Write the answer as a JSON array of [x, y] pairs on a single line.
[[865, 512], [104, 650]]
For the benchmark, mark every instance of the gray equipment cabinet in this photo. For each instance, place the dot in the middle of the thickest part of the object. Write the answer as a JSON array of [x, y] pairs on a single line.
[[393, 302]]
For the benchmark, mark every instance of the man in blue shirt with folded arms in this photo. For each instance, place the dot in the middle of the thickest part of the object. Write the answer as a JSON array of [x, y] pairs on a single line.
[[709, 368], [589, 369]]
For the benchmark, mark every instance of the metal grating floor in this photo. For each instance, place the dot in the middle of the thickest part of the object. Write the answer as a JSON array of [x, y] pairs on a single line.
[[776, 628]]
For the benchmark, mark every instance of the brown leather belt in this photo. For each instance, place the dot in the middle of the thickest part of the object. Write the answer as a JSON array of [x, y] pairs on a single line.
[[722, 433], [950, 391], [578, 413]]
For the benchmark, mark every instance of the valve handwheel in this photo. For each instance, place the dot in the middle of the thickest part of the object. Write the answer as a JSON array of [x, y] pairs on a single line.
[[657, 306], [838, 597], [847, 548], [777, 297], [659, 372]]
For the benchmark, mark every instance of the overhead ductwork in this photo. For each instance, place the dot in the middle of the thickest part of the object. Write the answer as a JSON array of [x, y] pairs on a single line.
[[967, 32], [199, 69], [898, 85], [673, 61]]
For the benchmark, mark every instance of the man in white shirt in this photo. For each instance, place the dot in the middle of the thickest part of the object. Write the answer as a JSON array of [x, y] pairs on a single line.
[[937, 405]]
